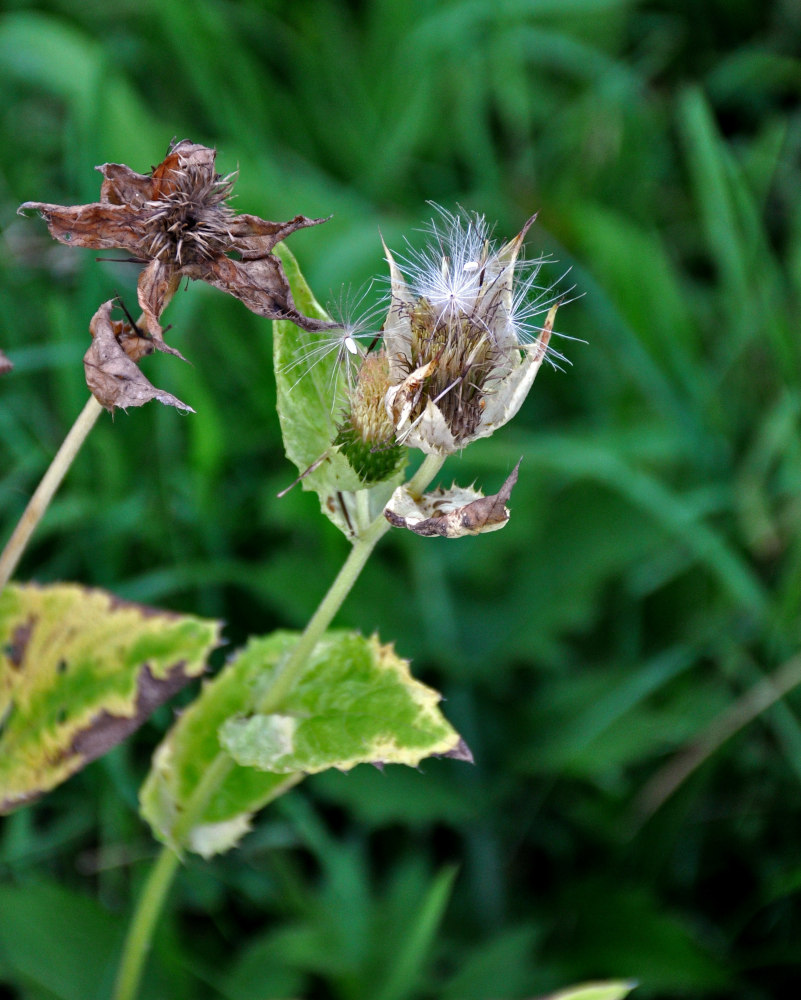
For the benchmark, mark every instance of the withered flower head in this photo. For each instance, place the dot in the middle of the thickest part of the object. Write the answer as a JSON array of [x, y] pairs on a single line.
[[459, 336], [177, 222]]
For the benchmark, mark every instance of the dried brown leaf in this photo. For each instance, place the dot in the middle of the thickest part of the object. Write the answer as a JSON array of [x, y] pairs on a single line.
[[258, 283], [451, 513], [110, 365]]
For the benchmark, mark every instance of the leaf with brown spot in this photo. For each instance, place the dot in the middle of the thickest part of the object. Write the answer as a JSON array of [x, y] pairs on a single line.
[[451, 513], [113, 376], [79, 671]]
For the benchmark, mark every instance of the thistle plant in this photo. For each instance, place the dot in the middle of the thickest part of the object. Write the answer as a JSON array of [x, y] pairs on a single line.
[[452, 362], [462, 349]]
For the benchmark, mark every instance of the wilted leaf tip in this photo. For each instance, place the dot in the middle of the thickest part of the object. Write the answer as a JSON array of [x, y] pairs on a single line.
[[460, 752]]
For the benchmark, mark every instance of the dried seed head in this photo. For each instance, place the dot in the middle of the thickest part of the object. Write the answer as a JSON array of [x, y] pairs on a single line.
[[177, 222], [190, 220], [459, 335]]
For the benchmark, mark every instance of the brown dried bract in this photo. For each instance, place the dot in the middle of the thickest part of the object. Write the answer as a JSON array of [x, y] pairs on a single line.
[[451, 513], [177, 222], [110, 365]]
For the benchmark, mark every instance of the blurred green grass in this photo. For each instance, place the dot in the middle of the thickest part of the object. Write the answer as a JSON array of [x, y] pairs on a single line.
[[651, 571]]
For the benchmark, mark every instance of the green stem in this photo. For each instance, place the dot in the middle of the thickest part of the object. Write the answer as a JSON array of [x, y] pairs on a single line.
[[295, 663], [140, 934], [420, 481], [46, 489]]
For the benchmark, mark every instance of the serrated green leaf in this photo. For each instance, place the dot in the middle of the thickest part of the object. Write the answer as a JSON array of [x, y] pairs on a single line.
[[79, 671], [357, 702], [610, 990]]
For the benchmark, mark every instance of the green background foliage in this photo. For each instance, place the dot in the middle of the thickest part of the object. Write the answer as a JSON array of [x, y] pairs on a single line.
[[650, 575]]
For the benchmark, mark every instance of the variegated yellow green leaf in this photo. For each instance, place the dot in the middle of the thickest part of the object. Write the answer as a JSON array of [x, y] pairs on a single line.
[[355, 702], [193, 745], [79, 671]]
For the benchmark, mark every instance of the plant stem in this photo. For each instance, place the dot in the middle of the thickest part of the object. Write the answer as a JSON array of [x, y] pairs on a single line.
[[51, 480], [46, 489], [295, 663], [140, 934]]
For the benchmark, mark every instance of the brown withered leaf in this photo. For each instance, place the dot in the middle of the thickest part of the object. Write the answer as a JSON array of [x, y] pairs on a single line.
[[176, 221], [5, 364], [451, 513], [112, 374]]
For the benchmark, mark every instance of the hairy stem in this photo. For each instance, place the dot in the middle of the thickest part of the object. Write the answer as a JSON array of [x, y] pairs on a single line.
[[46, 489], [137, 944]]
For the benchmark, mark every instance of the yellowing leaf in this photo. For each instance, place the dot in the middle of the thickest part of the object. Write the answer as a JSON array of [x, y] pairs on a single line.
[[79, 671], [355, 702], [192, 746]]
